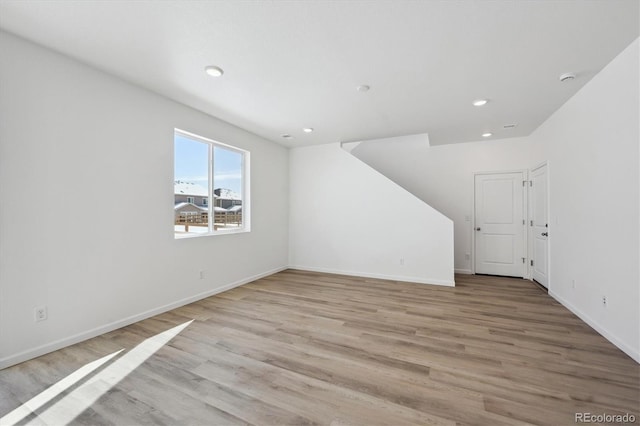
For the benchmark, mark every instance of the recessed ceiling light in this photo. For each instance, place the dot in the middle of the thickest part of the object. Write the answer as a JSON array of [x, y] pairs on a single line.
[[568, 76], [213, 71], [487, 134], [480, 102], [308, 129], [363, 88], [287, 136]]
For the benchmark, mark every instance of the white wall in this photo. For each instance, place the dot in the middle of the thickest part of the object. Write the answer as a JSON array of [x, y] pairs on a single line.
[[442, 175], [75, 141], [592, 147], [86, 213], [347, 218], [592, 144]]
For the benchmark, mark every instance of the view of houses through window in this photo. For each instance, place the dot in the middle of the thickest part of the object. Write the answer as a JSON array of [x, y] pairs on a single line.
[[209, 186]]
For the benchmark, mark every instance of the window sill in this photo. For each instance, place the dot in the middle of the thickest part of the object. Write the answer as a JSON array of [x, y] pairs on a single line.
[[184, 236]]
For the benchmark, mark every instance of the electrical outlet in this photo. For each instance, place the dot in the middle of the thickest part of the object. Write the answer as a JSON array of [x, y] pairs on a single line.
[[402, 261], [467, 256], [202, 274], [573, 284], [40, 313], [604, 301]]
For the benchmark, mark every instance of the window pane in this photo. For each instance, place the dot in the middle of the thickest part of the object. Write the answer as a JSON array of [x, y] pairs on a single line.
[[191, 185], [228, 188]]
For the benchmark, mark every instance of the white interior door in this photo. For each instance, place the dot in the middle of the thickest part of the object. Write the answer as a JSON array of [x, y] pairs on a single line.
[[499, 224], [539, 226]]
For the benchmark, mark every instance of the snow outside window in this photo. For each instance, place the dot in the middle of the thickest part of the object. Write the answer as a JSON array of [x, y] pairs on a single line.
[[211, 191]]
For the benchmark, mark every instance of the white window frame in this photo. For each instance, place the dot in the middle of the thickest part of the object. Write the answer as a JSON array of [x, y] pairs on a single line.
[[245, 195], [191, 200], [205, 201]]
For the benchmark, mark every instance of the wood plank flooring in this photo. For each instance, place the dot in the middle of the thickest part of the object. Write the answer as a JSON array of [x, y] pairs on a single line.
[[307, 348]]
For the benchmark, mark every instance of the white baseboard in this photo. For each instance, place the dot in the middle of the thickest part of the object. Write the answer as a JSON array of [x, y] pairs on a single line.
[[61, 343], [633, 353], [463, 271], [377, 276], [89, 334]]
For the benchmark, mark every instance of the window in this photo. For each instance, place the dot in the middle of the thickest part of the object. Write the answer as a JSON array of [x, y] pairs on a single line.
[[208, 170]]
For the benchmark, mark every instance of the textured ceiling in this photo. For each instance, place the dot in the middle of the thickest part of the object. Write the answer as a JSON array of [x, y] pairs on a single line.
[[290, 65]]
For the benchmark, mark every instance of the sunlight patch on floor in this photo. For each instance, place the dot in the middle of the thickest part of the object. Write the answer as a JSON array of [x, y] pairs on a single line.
[[52, 392], [71, 405]]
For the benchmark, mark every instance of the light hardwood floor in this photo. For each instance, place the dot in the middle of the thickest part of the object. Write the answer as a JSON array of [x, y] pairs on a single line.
[[308, 348]]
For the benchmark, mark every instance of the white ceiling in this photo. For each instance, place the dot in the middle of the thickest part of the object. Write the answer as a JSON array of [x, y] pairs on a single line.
[[295, 64]]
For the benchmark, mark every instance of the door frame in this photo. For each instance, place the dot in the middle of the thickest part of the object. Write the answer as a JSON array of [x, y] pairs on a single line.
[[525, 210], [530, 228]]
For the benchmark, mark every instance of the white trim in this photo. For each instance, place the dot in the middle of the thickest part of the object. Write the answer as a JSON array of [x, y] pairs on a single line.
[[500, 172], [89, 334], [541, 164], [71, 340], [203, 139], [245, 195], [376, 276], [472, 238], [551, 231], [211, 207], [463, 271], [208, 234], [530, 246], [246, 191], [525, 215], [633, 353]]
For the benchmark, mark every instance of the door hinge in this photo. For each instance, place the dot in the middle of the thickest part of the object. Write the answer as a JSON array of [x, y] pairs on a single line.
[[523, 260], [523, 222], [524, 183], [531, 262], [531, 222], [530, 183]]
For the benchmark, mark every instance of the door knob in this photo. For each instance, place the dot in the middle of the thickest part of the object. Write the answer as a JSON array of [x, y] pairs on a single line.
[[478, 228], [545, 234]]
